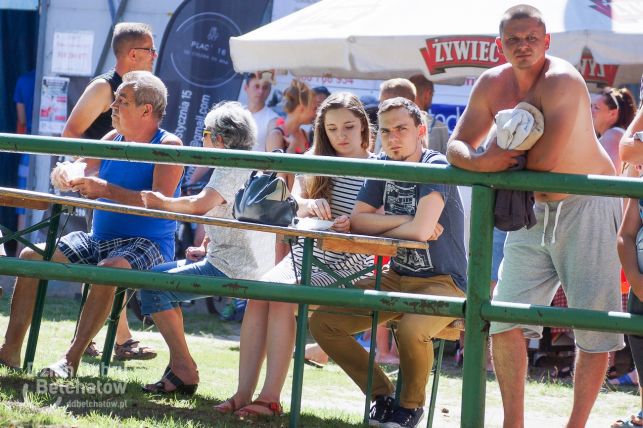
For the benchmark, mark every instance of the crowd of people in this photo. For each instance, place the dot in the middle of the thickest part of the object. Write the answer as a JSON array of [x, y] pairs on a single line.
[[580, 137]]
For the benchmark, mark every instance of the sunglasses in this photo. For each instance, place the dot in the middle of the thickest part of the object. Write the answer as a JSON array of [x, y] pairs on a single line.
[[152, 51]]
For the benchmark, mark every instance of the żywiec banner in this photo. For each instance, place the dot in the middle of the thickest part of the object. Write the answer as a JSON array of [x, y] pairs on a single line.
[[441, 53]]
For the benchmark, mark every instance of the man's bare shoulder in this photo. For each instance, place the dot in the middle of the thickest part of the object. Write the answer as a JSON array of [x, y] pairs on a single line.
[[99, 89], [493, 78], [559, 71], [171, 140]]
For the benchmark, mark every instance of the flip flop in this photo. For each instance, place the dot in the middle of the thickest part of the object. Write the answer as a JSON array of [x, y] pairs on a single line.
[[59, 370]]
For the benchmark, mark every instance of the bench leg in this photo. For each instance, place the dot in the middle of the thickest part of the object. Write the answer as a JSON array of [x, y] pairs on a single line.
[[372, 349], [112, 324], [50, 248], [300, 342], [437, 367]]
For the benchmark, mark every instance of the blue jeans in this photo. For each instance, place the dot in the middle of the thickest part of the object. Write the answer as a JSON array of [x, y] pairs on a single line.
[[153, 301]]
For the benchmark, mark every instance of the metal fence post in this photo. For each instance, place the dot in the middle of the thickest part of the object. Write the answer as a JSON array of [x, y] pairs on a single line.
[[476, 329], [302, 331]]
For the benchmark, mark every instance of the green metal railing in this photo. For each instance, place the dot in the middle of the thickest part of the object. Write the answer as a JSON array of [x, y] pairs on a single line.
[[477, 308]]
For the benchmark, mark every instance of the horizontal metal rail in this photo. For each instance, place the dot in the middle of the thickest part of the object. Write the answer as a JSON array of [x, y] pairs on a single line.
[[403, 171], [217, 286]]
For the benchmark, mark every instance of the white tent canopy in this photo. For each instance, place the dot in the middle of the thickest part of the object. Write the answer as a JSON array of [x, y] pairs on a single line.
[[446, 40]]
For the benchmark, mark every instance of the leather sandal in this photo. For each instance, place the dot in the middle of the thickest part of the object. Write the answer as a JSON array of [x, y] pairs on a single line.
[[274, 408], [228, 406], [131, 350], [92, 351], [181, 387]]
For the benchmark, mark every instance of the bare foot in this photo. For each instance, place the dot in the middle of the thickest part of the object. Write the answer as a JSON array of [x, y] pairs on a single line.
[[387, 359]]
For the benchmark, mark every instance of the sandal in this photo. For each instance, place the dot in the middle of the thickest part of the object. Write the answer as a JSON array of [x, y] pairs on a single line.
[[181, 387], [274, 408], [131, 350], [228, 406], [59, 370], [92, 351]]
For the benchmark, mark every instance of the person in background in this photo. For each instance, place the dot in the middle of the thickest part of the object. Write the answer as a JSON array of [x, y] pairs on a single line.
[[438, 131], [257, 87], [289, 136], [630, 237], [612, 112], [23, 97]]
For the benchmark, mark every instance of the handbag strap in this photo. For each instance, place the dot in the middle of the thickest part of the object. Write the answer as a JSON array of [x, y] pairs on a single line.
[[294, 264]]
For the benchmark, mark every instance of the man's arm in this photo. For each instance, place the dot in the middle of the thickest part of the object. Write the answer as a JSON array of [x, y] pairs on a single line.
[[627, 250], [424, 224], [631, 150], [366, 220], [560, 107], [95, 100], [470, 132], [166, 179]]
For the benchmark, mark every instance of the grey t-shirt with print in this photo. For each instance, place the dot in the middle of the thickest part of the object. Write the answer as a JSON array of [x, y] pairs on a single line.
[[446, 255]]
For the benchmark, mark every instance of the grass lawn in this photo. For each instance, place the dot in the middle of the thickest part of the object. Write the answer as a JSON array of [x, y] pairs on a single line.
[[330, 399]]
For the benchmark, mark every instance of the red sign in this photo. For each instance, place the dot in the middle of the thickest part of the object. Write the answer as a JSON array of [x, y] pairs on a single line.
[[595, 72], [441, 53]]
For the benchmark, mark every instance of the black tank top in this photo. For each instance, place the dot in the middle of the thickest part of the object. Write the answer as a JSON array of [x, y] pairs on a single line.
[[103, 123]]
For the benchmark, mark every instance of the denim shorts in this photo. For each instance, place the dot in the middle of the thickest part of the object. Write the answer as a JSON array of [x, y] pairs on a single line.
[[153, 301]]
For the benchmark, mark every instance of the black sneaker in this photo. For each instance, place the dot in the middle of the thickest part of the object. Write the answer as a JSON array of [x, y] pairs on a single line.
[[380, 411], [403, 418]]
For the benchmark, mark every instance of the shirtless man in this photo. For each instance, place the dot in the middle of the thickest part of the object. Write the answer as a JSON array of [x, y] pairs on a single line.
[[561, 249]]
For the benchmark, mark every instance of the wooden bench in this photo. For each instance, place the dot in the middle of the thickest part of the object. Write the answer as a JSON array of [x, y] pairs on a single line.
[[326, 240]]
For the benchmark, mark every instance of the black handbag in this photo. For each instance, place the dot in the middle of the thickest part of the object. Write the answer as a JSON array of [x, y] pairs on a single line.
[[265, 199]]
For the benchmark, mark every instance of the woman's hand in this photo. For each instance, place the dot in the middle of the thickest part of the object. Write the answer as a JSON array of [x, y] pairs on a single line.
[[319, 208], [342, 224], [195, 254]]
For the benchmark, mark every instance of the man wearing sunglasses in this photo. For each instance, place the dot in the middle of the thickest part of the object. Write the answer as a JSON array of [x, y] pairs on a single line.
[[91, 117]]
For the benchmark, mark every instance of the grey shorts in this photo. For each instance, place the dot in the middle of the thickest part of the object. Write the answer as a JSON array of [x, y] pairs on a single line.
[[573, 242]]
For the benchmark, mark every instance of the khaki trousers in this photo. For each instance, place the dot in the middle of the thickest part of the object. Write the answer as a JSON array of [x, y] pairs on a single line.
[[334, 332]]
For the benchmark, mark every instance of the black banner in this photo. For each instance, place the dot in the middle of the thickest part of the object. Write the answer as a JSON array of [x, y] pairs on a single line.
[[194, 60]]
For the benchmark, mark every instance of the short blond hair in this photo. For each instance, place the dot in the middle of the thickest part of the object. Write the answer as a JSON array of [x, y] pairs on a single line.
[[127, 33], [398, 88]]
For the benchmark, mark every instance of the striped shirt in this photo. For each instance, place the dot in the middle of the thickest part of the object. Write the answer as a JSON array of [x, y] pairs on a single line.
[[343, 194]]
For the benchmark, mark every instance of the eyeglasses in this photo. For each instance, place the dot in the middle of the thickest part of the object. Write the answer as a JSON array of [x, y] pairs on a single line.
[[152, 51]]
